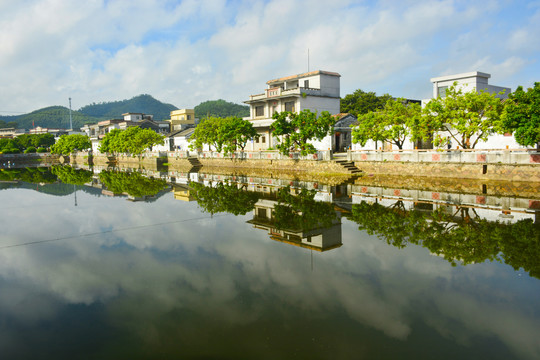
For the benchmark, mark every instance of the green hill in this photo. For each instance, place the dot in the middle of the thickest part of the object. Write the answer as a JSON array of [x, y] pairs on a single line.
[[145, 104], [50, 117], [220, 108]]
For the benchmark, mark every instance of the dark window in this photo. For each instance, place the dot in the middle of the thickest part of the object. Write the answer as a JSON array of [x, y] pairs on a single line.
[[306, 83], [289, 106], [259, 111], [262, 213], [189, 117], [263, 139]]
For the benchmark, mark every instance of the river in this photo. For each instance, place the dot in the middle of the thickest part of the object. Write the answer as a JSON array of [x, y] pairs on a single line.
[[106, 264]]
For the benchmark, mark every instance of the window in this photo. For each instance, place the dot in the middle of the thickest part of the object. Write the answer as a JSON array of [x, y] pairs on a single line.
[[306, 83], [289, 106], [263, 139], [259, 111], [189, 117], [442, 91], [262, 213]]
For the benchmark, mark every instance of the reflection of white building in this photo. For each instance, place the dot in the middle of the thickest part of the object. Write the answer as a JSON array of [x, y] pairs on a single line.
[[316, 90], [319, 239]]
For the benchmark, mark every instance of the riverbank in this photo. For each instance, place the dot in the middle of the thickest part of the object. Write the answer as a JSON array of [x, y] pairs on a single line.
[[479, 166]]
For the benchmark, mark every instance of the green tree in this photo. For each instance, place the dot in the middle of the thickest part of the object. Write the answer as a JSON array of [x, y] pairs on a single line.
[[361, 102], [131, 183], [237, 133], [301, 211], [466, 117], [210, 131], [133, 140], [297, 129], [393, 124], [522, 115], [224, 198], [69, 175], [69, 143]]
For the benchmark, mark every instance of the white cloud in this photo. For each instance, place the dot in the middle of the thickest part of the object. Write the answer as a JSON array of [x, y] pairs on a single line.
[[191, 51]]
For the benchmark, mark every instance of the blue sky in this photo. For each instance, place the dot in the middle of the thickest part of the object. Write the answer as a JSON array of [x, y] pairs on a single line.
[[186, 52]]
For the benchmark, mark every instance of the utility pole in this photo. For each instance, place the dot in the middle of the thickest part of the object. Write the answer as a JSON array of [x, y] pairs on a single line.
[[308, 60], [70, 120]]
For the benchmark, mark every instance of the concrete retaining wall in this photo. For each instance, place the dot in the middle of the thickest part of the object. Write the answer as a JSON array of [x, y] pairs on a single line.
[[523, 157], [499, 172]]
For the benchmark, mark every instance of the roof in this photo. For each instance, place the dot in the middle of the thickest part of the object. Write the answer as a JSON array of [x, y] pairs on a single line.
[[461, 76], [299, 76]]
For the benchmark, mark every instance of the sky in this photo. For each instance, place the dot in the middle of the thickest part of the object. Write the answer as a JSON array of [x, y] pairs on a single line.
[[187, 52]]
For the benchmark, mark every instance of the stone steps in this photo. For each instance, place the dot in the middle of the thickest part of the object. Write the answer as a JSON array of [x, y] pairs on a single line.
[[349, 166]]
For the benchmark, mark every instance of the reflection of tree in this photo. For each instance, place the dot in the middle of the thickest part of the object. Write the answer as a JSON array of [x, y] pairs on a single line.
[[461, 236], [34, 175], [224, 198], [69, 175], [302, 211], [133, 183]]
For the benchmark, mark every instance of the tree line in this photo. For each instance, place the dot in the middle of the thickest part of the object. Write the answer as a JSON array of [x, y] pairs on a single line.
[[463, 118], [27, 143]]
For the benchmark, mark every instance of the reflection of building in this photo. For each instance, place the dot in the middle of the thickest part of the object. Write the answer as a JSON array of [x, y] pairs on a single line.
[[182, 192], [319, 238]]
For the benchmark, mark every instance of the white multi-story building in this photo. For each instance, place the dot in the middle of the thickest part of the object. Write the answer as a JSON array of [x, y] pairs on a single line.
[[316, 90]]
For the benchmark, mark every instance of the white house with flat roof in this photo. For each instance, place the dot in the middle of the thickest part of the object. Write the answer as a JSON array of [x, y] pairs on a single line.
[[476, 81], [470, 81], [315, 90]]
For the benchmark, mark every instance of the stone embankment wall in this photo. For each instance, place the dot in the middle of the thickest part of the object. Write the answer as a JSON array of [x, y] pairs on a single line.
[[44, 158], [500, 172]]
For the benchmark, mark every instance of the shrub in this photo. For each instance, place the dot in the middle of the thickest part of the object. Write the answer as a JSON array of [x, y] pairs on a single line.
[[41, 150], [11, 151], [30, 150]]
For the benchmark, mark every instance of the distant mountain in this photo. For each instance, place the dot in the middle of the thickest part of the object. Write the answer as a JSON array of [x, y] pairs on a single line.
[[50, 117], [58, 116], [145, 104], [220, 108]]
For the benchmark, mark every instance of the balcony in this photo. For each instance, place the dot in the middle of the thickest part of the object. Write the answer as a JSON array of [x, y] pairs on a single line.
[[277, 92]]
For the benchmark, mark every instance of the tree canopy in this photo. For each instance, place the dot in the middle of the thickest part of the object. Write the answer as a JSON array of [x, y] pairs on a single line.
[[224, 134], [361, 102], [223, 198], [297, 129], [459, 237], [394, 123], [522, 115], [69, 143], [467, 117], [133, 140], [25, 141], [131, 183]]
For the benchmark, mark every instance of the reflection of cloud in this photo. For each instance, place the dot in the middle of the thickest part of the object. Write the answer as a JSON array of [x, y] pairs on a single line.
[[224, 270]]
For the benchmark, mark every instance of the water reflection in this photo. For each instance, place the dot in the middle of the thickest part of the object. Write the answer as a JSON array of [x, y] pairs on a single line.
[[164, 279]]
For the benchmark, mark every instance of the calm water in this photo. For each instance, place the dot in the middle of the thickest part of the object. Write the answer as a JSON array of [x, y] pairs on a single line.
[[203, 271]]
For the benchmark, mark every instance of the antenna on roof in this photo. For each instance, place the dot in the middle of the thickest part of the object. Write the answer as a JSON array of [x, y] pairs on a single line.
[[308, 60]]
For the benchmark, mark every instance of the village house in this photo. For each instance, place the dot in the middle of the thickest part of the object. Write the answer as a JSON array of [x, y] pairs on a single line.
[[316, 90], [96, 132], [471, 81]]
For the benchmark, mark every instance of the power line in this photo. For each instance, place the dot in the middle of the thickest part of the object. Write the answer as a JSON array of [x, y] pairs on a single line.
[[107, 232]]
